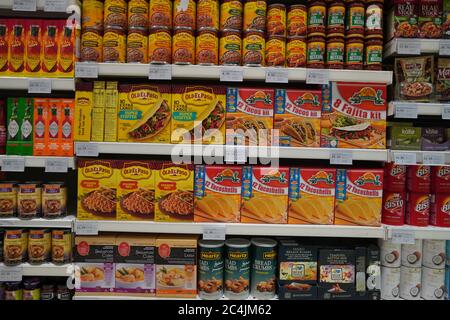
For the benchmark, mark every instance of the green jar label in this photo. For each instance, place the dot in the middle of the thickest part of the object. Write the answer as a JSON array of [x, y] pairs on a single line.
[[335, 54], [374, 55], [315, 54], [354, 55]]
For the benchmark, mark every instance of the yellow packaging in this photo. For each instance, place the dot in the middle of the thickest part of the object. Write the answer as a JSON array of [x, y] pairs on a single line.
[[174, 197], [144, 113], [111, 101], [83, 111], [98, 112]]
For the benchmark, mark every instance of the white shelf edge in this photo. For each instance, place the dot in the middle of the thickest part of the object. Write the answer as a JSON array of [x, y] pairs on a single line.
[[45, 270], [118, 296], [38, 161], [430, 232], [426, 46], [8, 5], [419, 156], [66, 222], [423, 108], [21, 83]]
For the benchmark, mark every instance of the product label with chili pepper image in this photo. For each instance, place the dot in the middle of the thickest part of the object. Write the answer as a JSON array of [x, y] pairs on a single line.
[[33, 43], [66, 51], [4, 47], [17, 49]]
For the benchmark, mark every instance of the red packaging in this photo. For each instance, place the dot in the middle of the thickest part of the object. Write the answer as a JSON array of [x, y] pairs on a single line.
[[394, 177], [418, 209], [17, 46], [418, 179], [440, 210], [393, 208], [440, 179], [33, 47], [4, 45]]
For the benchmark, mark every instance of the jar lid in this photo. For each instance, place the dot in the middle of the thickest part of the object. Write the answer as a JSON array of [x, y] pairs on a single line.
[[264, 242], [237, 243], [210, 243]]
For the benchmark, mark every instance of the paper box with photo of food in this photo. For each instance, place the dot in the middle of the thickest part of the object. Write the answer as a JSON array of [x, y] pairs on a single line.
[[311, 195], [359, 194], [217, 191], [135, 190], [356, 117], [174, 196], [264, 194], [97, 183], [405, 138], [414, 78], [297, 117], [337, 273]]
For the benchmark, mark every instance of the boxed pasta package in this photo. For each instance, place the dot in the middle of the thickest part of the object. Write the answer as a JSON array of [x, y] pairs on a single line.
[[414, 78], [337, 270], [97, 189]]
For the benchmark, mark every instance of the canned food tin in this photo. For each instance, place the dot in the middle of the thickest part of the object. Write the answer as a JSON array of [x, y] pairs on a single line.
[[296, 52], [231, 15], [355, 14], [336, 17], [210, 269], [208, 15], [354, 52], [207, 48], [29, 197], [395, 177], [335, 53], [92, 15], [316, 52], [138, 14], [54, 200], [418, 209], [61, 246], [237, 268], [253, 49], [160, 46], [434, 254], [433, 284], [390, 283], [160, 14], [114, 45], [115, 14], [390, 253], [418, 178], [91, 46], [230, 48], [39, 245], [276, 20], [8, 199], [410, 283], [263, 273], [15, 246], [297, 20], [184, 16], [393, 212], [317, 12], [183, 47], [137, 46], [255, 15], [412, 254], [275, 51]]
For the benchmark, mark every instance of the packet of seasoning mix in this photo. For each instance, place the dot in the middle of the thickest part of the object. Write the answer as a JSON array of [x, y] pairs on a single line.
[[430, 19], [443, 79], [415, 78], [403, 19], [433, 139], [446, 19]]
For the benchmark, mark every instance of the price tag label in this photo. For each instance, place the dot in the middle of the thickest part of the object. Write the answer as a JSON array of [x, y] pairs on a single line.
[[86, 70], [86, 228], [405, 158], [446, 112], [406, 111], [55, 5], [231, 74], [403, 236], [86, 149], [160, 72], [214, 232], [10, 274], [40, 86], [317, 76], [341, 157], [408, 47], [16, 164], [58, 165], [444, 47], [277, 75], [24, 5], [434, 158]]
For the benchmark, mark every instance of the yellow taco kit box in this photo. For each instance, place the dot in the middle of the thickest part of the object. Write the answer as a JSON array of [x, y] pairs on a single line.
[[144, 113]]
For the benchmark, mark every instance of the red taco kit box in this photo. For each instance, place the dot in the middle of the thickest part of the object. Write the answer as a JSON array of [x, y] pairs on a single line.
[[440, 210], [440, 179]]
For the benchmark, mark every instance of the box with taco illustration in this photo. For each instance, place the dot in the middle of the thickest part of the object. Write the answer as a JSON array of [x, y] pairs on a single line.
[[297, 117], [264, 194], [174, 196], [144, 113], [311, 195], [97, 183], [217, 191], [249, 116], [356, 117], [359, 194], [135, 190], [198, 114]]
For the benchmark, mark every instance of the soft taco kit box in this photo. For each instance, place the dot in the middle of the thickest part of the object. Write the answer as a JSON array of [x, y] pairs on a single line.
[[144, 113], [217, 191], [356, 117], [337, 274], [359, 195], [264, 194], [198, 114], [297, 117], [311, 195]]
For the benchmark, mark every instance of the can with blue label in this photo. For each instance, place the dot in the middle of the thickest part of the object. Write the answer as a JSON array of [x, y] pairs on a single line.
[[210, 269], [237, 268], [264, 262]]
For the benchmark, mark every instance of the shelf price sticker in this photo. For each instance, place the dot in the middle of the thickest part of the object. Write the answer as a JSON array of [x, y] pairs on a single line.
[[11, 274], [86, 70], [24, 5], [231, 74], [446, 112], [40, 85], [406, 111], [276, 75], [402, 236], [341, 157], [86, 149], [160, 72], [434, 158], [317, 76], [444, 47], [55, 6], [214, 232], [58, 165], [86, 228], [405, 158], [408, 47], [15, 164]]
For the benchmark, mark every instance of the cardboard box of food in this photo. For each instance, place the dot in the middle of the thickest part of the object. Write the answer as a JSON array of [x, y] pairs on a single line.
[[83, 110]]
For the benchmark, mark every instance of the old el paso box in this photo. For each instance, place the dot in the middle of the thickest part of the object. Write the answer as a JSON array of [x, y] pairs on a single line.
[[356, 117], [336, 273]]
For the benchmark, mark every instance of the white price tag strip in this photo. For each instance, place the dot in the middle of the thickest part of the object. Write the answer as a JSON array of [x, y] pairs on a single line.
[[408, 46], [402, 236], [55, 5], [276, 75], [444, 47], [405, 158], [40, 85], [15, 164], [214, 232], [446, 112], [435, 158], [24, 5], [10, 274], [231, 74], [406, 111], [160, 72], [86, 70], [86, 227], [341, 157], [318, 76], [58, 165], [235, 154], [86, 149]]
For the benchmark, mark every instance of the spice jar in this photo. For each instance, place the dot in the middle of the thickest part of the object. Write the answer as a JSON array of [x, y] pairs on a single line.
[[207, 48], [255, 15], [137, 46], [296, 52], [316, 52], [336, 18], [13, 291], [253, 49], [335, 53], [276, 20], [160, 14], [373, 54], [317, 12], [184, 16], [275, 51], [32, 289], [29, 197], [8, 199], [183, 47], [230, 48], [297, 20], [114, 45], [354, 24], [354, 51], [374, 19], [160, 46], [231, 15], [208, 15]]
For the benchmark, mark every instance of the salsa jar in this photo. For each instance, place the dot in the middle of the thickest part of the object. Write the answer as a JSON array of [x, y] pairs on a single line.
[[8, 199], [13, 291], [160, 46], [39, 245], [231, 15], [91, 46], [137, 46], [54, 200], [160, 14], [315, 57], [115, 14], [276, 20], [230, 48], [61, 246], [29, 198], [183, 47], [296, 52], [138, 14], [317, 11], [354, 52], [31, 289], [297, 20], [355, 16], [114, 45], [255, 15], [207, 48], [275, 51], [208, 15], [335, 53], [374, 19], [336, 17], [184, 16], [15, 245], [373, 56], [253, 48], [92, 15]]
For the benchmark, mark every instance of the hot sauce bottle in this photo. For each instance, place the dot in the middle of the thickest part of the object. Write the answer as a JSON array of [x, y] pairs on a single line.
[[3, 49], [50, 50], [66, 51], [17, 50], [34, 49], [53, 130], [2, 127], [67, 131]]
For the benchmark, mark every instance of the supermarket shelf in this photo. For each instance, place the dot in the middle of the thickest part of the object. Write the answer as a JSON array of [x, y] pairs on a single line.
[[420, 154], [111, 297], [66, 222], [423, 109], [40, 4], [16, 83], [430, 232], [249, 73], [38, 161], [45, 270], [426, 46], [220, 150]]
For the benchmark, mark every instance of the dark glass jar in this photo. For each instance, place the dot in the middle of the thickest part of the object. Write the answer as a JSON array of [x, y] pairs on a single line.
[[317, 11], [354, 52], [336, 17], [315, 57], [32, 289], [63, 293], [48, 291], [355, 18], [13, 291], [373, 57], [335, 53]]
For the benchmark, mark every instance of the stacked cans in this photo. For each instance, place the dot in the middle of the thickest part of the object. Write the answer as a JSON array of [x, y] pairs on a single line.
[[433, 270], [447, 268], [394, 195], [418, 185], [254, 27], [390, 255], [440, 198], [230, 27]]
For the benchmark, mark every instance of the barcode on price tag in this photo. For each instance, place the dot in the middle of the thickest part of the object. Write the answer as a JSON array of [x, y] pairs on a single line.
[[39, 86], [24, 5], [444, 47], [409, 47], [58, 165], [86, 149], [402, 236], [86, 70], [277, 75], [405, 158], [214, 232], [160, 72], [86, 227], [446, 112], [341, 157], [16, 164], [10, 274], [434, 158], [317, 76], [55, 5], [406, 111], [231, 74]]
